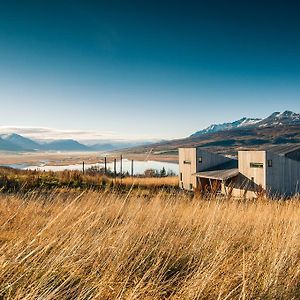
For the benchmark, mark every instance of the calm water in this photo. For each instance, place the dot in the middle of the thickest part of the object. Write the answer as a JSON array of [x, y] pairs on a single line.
[[138, 166]]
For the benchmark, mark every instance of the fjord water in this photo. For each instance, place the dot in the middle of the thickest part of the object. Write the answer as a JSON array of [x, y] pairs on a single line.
[[139, 167]]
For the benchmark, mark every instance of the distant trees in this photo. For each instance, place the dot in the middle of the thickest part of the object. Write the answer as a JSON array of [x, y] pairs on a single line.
[[156, 173], [163, 172], [99, 170], [150, 173], [171, 173]]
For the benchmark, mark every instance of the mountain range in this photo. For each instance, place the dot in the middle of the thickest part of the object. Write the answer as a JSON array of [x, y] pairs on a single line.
[[278, 128], [275, 119], [243, 122], [16, 142]]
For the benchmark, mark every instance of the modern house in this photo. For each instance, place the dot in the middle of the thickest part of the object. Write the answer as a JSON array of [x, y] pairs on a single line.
[[274, 171]]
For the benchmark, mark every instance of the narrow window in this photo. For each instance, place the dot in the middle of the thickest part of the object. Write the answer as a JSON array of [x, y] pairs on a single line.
[[180, 176], [270, 163], [200, 160], [187, 162], [256, 165], [252, 182], [191, 186]]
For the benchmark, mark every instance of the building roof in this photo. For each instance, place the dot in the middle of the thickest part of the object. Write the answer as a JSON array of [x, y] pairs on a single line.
[[223, 171], [202, 148], [218, 174], [291, 151], [283, 149]]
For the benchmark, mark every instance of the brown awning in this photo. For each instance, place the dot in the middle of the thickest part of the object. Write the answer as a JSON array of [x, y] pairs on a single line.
[[218, 174]]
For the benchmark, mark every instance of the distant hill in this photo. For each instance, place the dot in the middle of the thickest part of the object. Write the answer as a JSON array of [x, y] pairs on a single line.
[[65, 145], [9, 146], [102, 147], [22, 142], [117, 145], [16, 142]]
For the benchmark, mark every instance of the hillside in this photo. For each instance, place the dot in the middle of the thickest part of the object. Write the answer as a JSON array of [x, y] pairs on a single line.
[[65, 145], [9, 146]]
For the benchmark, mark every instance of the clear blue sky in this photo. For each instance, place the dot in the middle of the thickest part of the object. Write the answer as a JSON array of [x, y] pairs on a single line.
[[146, 68]]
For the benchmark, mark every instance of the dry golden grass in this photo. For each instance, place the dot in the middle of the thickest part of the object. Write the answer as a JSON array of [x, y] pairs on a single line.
[[13, 180], [150, 181], [141, 246]]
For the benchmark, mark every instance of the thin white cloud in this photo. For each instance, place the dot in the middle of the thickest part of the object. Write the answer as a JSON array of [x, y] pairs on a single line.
[[87, 136]]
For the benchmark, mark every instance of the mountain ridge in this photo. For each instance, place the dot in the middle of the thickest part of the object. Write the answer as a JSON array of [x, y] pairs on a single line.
[[275, 119], [227, 126], [17, 143], [277, 128], [21, 141], [64, 145]]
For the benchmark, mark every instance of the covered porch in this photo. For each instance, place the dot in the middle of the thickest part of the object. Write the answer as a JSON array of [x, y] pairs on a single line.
[[216, 181]]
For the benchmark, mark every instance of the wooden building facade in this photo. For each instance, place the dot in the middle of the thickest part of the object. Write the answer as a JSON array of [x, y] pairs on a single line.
[[274, 171]]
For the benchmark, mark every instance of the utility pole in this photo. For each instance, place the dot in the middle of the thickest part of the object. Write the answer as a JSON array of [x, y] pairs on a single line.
[[115, 167], [132, 168], [105, 166], [121, 169]]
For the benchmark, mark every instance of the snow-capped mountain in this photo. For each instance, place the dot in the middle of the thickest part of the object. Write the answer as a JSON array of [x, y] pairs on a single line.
[[243, 122], [275, 119], [278, 128]]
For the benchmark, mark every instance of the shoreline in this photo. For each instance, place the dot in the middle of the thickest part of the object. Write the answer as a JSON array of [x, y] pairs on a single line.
[[70, 158]]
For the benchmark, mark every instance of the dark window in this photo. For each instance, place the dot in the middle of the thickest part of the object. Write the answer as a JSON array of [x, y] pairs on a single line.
[[252, 182], [187, 162], [270, 163], [180, 176], [191, 186], [200, 159], [256, 165]]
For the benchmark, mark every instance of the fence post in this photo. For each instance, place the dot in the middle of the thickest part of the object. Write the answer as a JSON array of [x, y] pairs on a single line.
[[105, 167], [132, 168], [115, 167], [121, 167], [83, 167]]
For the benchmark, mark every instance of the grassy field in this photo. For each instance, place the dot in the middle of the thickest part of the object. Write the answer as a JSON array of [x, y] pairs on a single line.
[[13, 180], [147, 245]]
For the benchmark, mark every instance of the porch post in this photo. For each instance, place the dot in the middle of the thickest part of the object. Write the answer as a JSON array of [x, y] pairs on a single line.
[[210, 184], [225, 190]]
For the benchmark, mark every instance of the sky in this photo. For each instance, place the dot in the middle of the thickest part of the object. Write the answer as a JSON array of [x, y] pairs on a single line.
[[146, 69]]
